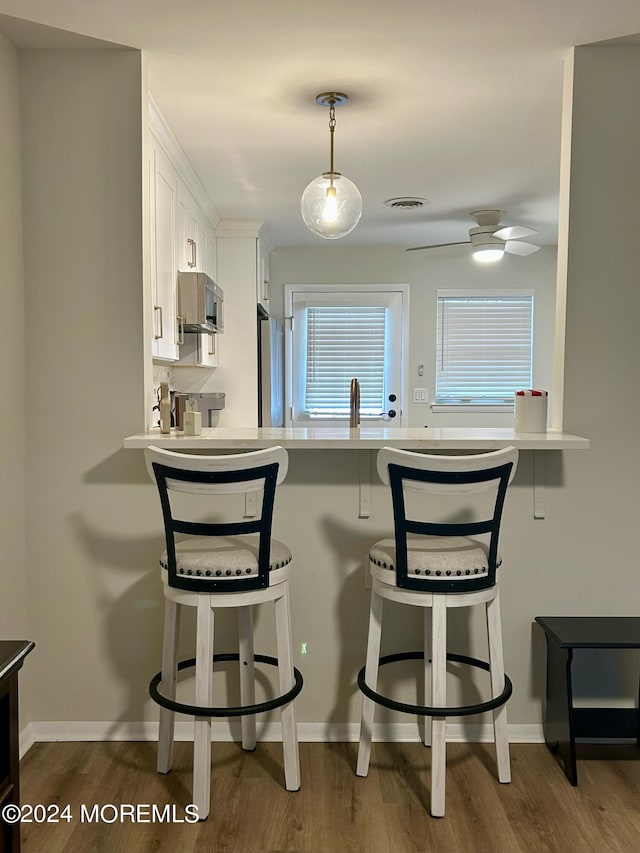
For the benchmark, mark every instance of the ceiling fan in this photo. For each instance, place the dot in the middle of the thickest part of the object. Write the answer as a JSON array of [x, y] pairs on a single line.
[[488, 241]]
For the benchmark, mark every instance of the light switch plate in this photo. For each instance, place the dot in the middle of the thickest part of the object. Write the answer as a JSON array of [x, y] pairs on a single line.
[[420, 395]]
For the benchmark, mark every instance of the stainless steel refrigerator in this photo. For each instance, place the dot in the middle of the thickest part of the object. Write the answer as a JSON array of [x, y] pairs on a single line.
[[270, 372]]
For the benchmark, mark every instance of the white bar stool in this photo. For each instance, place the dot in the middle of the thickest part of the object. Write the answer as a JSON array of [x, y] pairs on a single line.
[[224, 564], [441, 565]]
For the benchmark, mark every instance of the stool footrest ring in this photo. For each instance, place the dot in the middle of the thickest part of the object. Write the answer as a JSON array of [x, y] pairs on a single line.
[[232, 711], [425, 710]]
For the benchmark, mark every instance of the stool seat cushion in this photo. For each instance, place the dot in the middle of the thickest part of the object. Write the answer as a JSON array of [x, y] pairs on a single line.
[[222, 557], [435, 557]]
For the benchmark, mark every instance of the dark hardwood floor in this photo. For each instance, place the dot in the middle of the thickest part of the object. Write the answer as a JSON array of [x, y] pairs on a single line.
[[334, 812]]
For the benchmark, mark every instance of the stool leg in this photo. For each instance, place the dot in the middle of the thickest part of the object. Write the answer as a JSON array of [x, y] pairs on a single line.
[[496, 661], [286, 679], [426, 721], [371, 677], [203, 696], [439, 698], [168, 684], [247, 675]]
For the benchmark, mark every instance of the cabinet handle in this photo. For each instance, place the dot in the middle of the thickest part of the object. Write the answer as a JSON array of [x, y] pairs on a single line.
[[192, 245], [212, 344], [161, 335], [265, 289], [180, 329]]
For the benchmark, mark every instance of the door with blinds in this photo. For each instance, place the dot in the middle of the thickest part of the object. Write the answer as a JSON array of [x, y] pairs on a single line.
[[336, 334]]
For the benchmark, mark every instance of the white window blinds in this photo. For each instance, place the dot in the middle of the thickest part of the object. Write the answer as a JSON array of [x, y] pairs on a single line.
[[343, 342], [484, 348]]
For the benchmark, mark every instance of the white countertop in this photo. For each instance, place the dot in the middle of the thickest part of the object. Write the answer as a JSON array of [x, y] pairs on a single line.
[[363, 438]]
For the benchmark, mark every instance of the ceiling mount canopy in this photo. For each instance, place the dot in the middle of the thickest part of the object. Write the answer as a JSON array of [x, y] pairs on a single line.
[[331, 204]]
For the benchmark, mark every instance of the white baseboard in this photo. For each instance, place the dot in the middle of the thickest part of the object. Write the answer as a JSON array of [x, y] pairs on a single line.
[[26, 740], [307, 732]]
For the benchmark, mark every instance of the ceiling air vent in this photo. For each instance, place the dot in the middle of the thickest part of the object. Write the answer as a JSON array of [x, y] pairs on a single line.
[[406, 202]]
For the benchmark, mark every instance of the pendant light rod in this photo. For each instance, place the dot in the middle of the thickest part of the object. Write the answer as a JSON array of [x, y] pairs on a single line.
[[332, 127], [331, 99]]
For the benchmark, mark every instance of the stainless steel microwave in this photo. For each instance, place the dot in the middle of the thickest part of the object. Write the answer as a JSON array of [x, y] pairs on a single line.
[[200, 303]]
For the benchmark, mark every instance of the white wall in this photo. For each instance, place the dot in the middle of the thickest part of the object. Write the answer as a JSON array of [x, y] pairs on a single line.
[[14, 623], [82, 156], [602, 340], [426, 272]]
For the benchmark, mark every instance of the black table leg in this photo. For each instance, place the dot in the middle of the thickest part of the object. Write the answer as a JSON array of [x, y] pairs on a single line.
[[638, 728], [558, 723]]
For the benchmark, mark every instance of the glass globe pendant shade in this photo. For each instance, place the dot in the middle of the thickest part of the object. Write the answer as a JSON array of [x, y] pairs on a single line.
[[331, 205]]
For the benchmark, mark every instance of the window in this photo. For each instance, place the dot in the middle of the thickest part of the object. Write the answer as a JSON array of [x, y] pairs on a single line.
[[344, 341], [339, 333], [484, 346]]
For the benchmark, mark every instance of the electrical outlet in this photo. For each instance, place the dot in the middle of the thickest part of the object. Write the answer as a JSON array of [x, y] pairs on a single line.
[[420, 395]]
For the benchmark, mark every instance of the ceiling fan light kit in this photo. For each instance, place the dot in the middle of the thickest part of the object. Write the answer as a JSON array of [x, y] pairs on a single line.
[[486, 247], [487, 253], [331, 204]]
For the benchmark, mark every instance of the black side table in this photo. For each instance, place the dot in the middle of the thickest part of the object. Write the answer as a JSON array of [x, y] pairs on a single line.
[[562, 722], [12, 655]]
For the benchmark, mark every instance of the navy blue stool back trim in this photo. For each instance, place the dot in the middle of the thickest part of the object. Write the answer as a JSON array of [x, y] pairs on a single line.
[[261, 525], [398, 475]]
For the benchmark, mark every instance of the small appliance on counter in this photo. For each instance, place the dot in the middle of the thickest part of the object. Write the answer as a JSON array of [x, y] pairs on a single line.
[[206, 404]]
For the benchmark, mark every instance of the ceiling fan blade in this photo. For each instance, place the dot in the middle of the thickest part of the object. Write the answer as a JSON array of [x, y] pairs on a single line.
[[438, 246], [515, 247], [514, 232]]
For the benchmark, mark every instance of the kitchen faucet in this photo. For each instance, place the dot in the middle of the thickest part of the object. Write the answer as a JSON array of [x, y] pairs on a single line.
[[354, 404]]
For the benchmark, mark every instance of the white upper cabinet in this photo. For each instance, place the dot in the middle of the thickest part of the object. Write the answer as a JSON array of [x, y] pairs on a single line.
[[262, 273], [208, 349], [196, 240], [163, 200], [190, 256], [196, 253], [181, 239], [207, 248], [199, 350]]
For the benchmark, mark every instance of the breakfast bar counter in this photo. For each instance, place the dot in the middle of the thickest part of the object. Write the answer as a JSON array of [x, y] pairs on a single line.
[[362, 438], [329, 510]]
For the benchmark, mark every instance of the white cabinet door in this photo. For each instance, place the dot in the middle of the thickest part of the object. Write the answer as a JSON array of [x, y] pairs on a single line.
[[195, 249], [208, 349], [207, 247], [208, 342], [199, 350], [262, 275], [188, 249], [163, 266]]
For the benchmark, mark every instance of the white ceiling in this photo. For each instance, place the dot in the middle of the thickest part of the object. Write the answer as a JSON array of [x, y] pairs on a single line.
[[457, 102]]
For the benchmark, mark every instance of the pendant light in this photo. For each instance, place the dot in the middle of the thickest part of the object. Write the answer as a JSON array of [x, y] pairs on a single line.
[[331, 204]]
